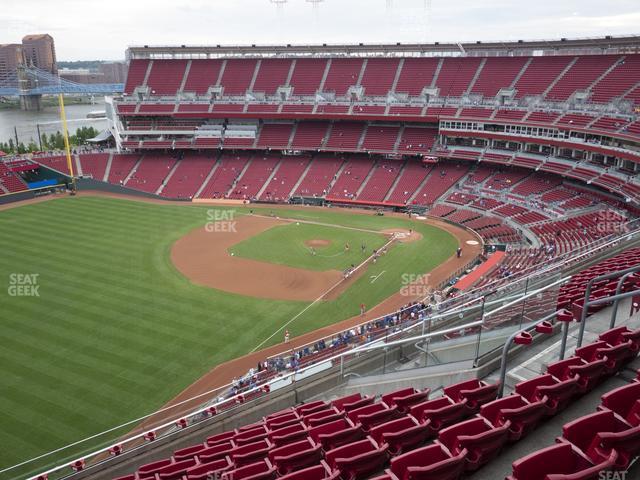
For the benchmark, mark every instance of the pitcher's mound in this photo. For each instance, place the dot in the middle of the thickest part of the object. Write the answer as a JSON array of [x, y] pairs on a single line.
[[317, 242], [202, 256]]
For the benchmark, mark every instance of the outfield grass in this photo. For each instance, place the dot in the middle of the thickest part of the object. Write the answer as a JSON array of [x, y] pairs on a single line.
[[117, 331], [286, 245]]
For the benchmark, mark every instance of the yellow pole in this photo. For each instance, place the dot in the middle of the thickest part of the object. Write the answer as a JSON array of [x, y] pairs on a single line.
[[65, 134]]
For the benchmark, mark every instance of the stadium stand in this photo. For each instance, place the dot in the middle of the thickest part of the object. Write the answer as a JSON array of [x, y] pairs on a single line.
[[190, 174], [254, 176], [406, 434], [455, 138], [9, 181], [94, 164], [226, 172], [285, 178]]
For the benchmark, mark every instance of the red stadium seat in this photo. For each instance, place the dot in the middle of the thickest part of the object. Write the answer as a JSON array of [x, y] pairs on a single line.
[[334, 434], [322, 416], [289, 434], [405, 398], [598, 434], [622, 335], [589, 373], [351, 402], [625, 401], [478, 437], [559, 462], [150, 469], [311, 407], [427, 463], [214, 453], [205, 471], [175, 470], [474, 392], [281, 421], [614, 356], [555, 394], [220, 438], [357, 460], [439, 413], [521, 415], [249, 453], [189, 452], [317, 472], [401, 434], [372, 415], [250, 436], [261, 470], [295, 456]]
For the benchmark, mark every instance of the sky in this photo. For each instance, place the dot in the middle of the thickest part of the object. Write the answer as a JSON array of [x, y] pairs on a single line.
[[92, 29]]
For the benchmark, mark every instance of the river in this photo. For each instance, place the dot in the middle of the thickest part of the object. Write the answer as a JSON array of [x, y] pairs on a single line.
[[49, 121]]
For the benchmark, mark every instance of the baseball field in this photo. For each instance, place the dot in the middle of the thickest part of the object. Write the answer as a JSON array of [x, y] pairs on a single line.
[[110, 307]]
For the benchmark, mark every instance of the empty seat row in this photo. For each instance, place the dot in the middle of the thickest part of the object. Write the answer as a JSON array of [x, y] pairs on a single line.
[[350, 436], [607, 440]]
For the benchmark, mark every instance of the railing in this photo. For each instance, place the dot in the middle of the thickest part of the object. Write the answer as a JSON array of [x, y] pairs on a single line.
[[481, 319], [624, 112]]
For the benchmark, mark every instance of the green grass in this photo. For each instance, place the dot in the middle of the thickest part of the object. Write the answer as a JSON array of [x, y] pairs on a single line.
[[117, 331], [285, 245]]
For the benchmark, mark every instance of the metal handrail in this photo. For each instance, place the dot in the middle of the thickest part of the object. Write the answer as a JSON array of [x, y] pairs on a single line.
[[587, 294]]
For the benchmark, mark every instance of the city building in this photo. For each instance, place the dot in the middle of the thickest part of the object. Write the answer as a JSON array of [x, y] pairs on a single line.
[[10, 57], [39, 51]]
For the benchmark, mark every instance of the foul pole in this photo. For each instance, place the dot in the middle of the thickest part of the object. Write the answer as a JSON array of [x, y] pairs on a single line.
[[65, 134]]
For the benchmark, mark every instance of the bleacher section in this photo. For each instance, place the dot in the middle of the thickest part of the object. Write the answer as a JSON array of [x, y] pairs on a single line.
[[415, 434], [321, 173], [254, 177], [9, 181], [441, 179], [378, 185], [350, 179], [307, 75], [150, 173], [285, 178], [555, 77], [226, 172], [343, 73], [188, 176]]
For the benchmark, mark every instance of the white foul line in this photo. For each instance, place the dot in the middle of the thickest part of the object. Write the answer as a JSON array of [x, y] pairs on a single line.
[[393, 237], [376, 276]]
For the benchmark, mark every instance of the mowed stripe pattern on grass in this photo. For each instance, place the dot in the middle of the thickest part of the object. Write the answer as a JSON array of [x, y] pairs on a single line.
[[117, 332]]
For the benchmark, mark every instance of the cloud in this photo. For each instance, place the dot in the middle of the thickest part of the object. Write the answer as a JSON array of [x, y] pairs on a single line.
[[88, 29]]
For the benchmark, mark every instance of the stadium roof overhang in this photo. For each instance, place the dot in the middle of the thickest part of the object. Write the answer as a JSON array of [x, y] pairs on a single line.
[[608, 44]]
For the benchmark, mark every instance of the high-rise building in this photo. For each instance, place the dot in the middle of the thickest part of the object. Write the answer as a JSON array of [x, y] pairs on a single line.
[[39, 51], [10, 57]]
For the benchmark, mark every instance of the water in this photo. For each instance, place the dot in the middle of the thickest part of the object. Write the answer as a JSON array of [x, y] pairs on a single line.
[[49, 121]]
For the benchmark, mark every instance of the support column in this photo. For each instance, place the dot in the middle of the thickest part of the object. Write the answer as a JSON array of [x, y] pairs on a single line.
[[31, 103]]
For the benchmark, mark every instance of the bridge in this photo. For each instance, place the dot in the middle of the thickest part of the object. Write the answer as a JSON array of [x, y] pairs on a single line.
[[30, 83]]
